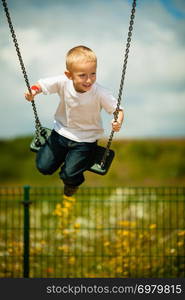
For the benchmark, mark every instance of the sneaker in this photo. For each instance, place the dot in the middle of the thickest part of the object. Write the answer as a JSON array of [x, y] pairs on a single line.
[[70, 190]]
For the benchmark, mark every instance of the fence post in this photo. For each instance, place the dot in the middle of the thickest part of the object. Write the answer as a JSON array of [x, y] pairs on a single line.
[[26, 233]]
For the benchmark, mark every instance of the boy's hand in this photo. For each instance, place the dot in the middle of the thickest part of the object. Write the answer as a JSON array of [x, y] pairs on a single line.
[[116, 126], [30, 96], [35, 89]]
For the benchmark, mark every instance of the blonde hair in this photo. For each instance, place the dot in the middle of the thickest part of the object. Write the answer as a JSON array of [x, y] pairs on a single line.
[[79, 54]]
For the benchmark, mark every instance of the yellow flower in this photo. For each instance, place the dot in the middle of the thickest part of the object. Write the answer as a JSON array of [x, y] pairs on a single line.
[[72, 260], [57, 210], [42, 242], [125, 244], [64, 210], [124, 223], [67, 204], [172, 251], [107, 243], [181, 233], [125, 233], [77, 226], [57, 213], [99, 226], [153, 226], [63, 248], [180, 244], [65, 232], [58, 206], [119, 270]]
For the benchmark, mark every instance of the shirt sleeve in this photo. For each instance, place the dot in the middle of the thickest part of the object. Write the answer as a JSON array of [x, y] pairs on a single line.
[[108, 101], [51, 85]]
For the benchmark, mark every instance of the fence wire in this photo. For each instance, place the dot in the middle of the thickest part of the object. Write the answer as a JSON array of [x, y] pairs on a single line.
[[130, 232]]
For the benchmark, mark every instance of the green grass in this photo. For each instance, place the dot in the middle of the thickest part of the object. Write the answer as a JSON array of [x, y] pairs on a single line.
[[146, 162]]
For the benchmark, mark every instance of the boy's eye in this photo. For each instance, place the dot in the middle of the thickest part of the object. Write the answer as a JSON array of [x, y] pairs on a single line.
[[83, 75]]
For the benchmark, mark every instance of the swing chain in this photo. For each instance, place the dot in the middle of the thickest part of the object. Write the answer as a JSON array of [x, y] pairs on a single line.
[[131, 23], [38, 125]]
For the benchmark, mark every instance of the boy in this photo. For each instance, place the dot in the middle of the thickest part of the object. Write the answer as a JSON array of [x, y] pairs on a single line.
[[77, 123]]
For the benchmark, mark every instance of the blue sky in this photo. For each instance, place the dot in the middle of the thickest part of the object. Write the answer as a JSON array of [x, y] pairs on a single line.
[[154, 91]]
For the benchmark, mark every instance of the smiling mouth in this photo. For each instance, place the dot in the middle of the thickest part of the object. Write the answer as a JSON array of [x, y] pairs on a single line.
[[86, 85]]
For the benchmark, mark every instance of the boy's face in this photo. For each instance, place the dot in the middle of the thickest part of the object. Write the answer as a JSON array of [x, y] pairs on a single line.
[[83, 76]]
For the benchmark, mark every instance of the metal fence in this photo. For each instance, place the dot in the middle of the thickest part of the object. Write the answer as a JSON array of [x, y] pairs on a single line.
[[106, 232]]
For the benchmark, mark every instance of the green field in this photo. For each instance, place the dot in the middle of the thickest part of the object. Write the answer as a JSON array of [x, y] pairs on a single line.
[[149, 162]]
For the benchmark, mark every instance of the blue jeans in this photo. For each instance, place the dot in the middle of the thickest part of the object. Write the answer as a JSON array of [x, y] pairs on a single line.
[[73, 157]]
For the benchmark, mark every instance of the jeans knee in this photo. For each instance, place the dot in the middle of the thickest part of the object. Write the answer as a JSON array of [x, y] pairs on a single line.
[[71, 178], [43, 170]]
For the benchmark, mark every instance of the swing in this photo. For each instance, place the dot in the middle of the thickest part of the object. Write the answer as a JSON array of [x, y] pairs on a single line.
[[104, 155]]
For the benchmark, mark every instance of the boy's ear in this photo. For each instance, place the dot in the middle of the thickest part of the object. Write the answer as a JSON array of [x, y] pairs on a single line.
[[68, 74]]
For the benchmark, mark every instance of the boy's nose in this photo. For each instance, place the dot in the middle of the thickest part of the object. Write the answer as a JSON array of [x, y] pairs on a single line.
[[89, 79]]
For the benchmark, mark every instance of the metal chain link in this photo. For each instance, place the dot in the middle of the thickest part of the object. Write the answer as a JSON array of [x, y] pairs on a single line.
[[38, 125], [131, 23]]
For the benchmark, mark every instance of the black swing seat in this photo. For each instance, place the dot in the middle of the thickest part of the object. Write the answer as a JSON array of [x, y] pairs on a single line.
[[40, 140], [95, 167]]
